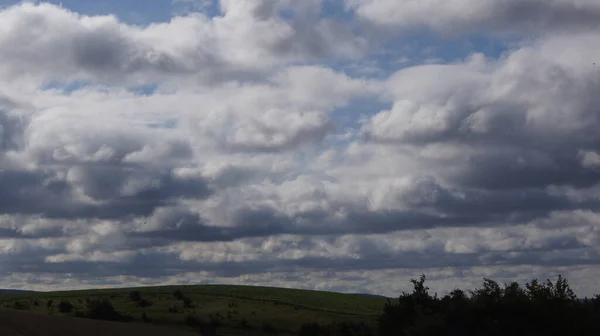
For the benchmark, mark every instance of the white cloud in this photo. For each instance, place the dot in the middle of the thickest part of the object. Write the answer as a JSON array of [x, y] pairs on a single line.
[[237, 162], [63, 45]]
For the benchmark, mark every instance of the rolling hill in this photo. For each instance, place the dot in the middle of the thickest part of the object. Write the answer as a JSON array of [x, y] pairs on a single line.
[[234, 310]]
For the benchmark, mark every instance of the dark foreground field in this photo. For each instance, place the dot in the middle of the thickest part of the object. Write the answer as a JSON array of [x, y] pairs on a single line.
[[230, 310], [14, 323]]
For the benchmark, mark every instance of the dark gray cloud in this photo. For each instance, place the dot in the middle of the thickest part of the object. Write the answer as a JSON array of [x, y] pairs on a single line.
[[153, 264], [497, 16], [12, 126], [431, 207], [35, 193]]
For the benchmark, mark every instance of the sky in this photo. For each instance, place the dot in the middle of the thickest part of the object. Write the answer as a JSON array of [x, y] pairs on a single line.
[[343, 145]]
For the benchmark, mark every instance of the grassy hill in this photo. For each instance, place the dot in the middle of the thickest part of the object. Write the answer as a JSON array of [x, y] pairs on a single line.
[[237, 310]]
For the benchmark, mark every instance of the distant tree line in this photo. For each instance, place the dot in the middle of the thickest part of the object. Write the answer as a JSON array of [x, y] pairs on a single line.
[[539, 308]]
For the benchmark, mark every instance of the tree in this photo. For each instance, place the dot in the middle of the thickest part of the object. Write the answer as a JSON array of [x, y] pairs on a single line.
[[538, 309]]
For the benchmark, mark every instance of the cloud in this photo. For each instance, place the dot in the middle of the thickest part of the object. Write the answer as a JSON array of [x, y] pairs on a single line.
[[467, 16], [249, 38], [518, 122], [233, 146]]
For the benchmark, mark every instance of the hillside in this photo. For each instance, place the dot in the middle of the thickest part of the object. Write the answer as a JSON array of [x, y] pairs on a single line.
[[235, 310], [13, 323]]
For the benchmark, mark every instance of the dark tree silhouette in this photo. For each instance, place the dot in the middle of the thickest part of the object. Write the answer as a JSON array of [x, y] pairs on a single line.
[[538, 309]]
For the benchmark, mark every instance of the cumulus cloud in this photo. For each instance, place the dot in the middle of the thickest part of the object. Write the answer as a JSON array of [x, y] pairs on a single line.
[[248, 38], [215, 145], [525, 117]]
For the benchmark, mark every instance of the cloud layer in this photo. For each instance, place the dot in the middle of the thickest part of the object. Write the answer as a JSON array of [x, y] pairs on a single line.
[[475, 16], [236, 148]]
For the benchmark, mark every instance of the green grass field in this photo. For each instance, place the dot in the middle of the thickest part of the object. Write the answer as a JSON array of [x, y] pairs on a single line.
[[239, 310]]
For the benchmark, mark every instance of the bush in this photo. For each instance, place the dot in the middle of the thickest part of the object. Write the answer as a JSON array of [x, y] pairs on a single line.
[[104, 310], [187, 303], [268, 328], [65, 307], [309, 329], [214, 321], [178, 294], [143, 303], [191, 320], [145, 317], [18, 305], [135, 296], [342, 329], [206, 329], [243, 323]]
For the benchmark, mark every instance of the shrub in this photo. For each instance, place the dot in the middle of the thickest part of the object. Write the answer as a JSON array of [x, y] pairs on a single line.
[[214, 321], [65, 307], [207, 330], [104, 310], [243, 323], [18, 305], [135, 296], [187, 303], [178, 294], [268, 328], [191, 320], [143, 303], [309, 329]]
